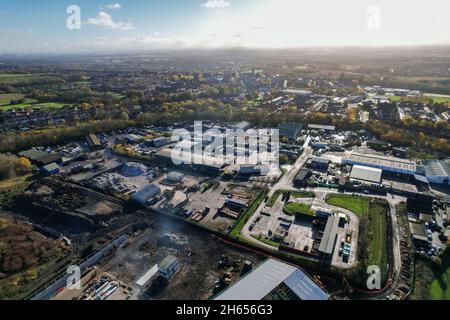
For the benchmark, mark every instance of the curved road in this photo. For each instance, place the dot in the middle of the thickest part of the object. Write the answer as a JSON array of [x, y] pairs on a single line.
[[286, 182]]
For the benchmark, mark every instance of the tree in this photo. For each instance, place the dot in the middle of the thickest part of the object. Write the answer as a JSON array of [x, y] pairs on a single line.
[[124, 116], [23, 166], [284, 158]]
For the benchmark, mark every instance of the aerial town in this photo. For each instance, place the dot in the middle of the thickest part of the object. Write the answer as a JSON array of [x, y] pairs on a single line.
[[90, 177], [95, 182]]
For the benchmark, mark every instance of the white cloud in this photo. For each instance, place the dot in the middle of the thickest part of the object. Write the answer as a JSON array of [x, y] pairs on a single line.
[[105, 20], [216, 4], [113, 6]]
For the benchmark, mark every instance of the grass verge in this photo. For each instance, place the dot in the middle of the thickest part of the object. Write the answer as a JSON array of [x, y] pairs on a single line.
[[246, 215], [295, 208], [356, 204]]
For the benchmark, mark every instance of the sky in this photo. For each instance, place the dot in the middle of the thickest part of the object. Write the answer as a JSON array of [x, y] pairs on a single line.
[[40, 26]]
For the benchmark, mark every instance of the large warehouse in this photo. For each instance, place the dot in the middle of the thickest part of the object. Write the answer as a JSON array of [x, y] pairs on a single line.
[[146, 195], [274, 280], [366, 175], [387, 164], [437, 171], [329, 238], [290, 130]]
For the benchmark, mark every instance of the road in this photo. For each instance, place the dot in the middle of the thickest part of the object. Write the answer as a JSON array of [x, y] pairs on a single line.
[[286, 182], [393, 202]]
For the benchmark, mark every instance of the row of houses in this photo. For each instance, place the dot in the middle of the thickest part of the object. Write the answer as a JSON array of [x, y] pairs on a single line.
[[23, 120]]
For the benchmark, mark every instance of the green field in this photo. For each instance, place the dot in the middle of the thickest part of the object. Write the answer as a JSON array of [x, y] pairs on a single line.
[[356, 204], [440, 287], [8, 77], [296, 194], [373, 228], [431, 281], [439, 99], [377, 231], [5, 98], [24, 79], [32, 104], [422, 99], [294, 208]]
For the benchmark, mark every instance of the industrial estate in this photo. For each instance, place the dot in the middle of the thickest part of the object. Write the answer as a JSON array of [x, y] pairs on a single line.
[[97, 201]]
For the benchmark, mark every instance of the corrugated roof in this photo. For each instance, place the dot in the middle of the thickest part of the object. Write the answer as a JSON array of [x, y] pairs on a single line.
[[290, 129], [266, 277], [33, 154], [381, 161], [51, 167], [329, 235], [93, 140], [304, 287], [146, 193], [436, 168]]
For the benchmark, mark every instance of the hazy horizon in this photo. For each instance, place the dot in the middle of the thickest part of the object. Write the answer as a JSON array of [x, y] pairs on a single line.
[[134, 26]]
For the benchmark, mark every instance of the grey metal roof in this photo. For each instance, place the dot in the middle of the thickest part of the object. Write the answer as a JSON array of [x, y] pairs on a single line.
[[297, 92], [321, 127], [304, 287], [366, 174], [51, 167], [302, 174], [380, 161], [167, 262], [436, 168], [175, 175], [329, 235], [32, 154], [266, 277], [421, 178], [244, 125], [146, 193], [290, 129], [321, 160]]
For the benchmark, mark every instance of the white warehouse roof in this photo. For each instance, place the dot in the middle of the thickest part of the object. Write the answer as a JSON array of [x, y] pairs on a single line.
[[366, 174]]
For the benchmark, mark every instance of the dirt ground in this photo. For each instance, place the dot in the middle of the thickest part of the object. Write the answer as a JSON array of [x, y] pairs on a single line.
[[199, 258]]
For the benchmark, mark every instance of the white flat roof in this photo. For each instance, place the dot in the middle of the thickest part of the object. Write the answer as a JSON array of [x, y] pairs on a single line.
[[366, 174], [147, 276]]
